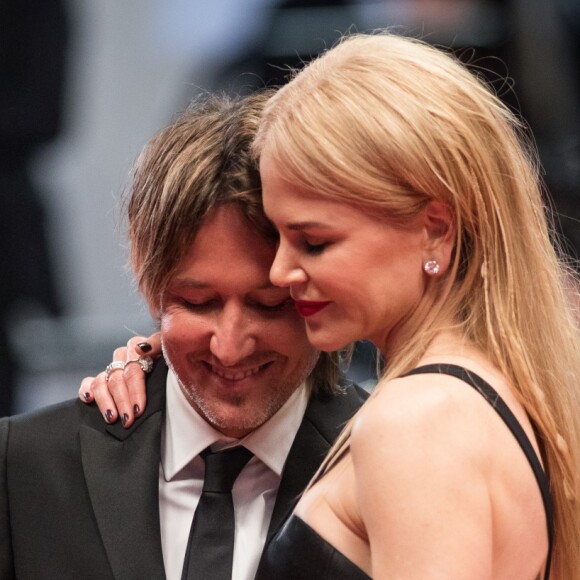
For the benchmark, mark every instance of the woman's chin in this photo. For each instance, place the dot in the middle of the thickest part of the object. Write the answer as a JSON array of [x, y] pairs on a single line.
[[327, 340]]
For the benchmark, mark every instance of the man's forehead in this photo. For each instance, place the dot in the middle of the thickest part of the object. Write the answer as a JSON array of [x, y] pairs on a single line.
[[193, 283], [227, 255], [227, 225]]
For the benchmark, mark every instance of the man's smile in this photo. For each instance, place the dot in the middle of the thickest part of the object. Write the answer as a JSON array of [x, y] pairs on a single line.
[[236, 374]]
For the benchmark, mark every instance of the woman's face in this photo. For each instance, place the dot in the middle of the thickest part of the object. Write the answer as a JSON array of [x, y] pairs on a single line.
[[353, 276]]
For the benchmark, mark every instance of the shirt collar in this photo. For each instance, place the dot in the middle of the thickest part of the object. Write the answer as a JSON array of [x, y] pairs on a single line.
[[186, 434]]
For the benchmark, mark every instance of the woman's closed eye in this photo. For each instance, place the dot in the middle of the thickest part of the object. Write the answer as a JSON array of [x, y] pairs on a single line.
[[315, 249]]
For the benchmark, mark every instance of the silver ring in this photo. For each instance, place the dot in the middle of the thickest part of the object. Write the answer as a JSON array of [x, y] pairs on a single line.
[[145, 362], [116, 365]]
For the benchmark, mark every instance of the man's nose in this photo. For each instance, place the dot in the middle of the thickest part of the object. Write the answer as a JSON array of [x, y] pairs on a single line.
[[233, 337], [285, 270]]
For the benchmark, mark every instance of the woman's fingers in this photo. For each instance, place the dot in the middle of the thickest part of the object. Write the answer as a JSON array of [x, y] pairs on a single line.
[[120, 392], [109, 390], [150, 345], [108, 400], [85, 390], [134, 375]]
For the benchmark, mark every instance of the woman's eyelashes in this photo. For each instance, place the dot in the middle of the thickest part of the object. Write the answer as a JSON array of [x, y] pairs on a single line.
[[314, 249]]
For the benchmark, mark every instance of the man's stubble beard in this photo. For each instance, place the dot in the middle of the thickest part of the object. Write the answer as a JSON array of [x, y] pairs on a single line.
[[280, 393]]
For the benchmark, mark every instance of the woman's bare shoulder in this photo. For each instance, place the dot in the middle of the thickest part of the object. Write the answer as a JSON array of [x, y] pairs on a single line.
[[435, 412], [419, 458], [438, 476]]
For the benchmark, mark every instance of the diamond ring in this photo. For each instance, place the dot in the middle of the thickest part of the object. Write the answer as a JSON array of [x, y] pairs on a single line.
[[116, 365], [145, 362]]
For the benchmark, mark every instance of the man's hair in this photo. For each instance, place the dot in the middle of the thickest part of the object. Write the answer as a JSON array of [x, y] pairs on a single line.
[[388, 124], [199, 162]]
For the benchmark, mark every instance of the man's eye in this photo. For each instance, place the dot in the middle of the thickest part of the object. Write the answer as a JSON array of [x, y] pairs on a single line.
[[275, 307], [198, 306]]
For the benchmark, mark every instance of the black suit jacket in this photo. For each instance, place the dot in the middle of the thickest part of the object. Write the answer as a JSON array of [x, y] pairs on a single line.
[[79, 498]]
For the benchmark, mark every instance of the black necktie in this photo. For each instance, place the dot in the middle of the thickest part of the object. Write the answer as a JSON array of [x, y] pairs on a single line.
[[210, 549]]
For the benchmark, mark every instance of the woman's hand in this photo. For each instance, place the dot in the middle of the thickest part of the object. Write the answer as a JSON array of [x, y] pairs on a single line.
[[122, 394]]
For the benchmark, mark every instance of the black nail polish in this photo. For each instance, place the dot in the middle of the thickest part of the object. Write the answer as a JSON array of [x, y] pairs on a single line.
[[144, 346], [124, 419], [136, 409], [108, 415], [87, 396]]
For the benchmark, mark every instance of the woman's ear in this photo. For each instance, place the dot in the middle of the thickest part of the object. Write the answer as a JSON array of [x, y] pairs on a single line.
[[440, 229]]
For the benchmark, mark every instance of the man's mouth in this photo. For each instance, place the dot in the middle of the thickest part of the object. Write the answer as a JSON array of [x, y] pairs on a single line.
[[308, 308], [236, 374]]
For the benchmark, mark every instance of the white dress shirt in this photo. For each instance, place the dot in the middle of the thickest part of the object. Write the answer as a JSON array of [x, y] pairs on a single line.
[[185, 434]]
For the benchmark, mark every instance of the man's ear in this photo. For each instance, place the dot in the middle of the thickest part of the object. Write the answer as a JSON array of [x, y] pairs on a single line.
[[439, 227]]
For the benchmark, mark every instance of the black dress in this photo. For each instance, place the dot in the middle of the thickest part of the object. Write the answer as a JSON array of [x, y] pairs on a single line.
[[297, 552]]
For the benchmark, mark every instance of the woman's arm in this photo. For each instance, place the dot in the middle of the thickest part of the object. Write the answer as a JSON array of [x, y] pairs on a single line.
[[421, 492]]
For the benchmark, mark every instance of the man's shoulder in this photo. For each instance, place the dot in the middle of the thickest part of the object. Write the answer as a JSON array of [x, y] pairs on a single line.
[[41, 436], [329, 412], [55, 413], [62, 419], [347, 399], [46, 424]]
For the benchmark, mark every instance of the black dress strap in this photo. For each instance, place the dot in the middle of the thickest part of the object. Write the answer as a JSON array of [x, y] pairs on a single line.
[[493, 398]]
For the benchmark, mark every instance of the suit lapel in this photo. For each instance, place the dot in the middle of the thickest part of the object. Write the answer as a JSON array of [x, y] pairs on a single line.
[[304, 458], [122, 473], [323, 420]]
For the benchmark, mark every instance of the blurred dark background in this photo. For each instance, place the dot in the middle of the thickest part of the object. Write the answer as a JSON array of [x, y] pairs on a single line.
[[84, 84]]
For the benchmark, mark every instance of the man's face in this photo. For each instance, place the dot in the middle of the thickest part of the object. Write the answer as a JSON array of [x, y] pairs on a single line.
[[234, 340]]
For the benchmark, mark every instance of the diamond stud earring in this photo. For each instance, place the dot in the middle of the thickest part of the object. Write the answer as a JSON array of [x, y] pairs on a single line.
[[431, 267]]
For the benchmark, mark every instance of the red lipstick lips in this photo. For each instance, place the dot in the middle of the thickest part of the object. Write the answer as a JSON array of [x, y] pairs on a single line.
[[306, 308]]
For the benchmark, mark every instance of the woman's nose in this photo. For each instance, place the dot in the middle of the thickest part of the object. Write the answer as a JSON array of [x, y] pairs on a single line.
[[285, 270]]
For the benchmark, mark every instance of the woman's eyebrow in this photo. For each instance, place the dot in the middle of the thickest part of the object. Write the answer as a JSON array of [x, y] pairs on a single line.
[[306, 225]]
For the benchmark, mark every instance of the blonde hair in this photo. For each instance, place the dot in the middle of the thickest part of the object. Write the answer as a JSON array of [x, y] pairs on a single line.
[[389, 123], [197, 163]]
